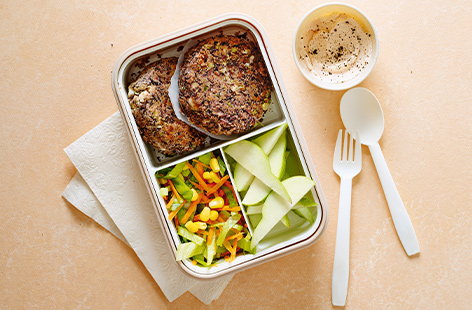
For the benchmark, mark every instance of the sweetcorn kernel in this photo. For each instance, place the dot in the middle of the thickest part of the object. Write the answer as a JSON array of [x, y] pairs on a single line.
[[214, 165], [206, 175], [205, 214], [217, 202], [195, 195], [201, 225], [213, 215], [191, 226], [214, 177]]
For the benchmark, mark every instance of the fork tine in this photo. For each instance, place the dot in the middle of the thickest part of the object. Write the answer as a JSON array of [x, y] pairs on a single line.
[[345, 146], [351, 148], [337, 148], [358, 156]]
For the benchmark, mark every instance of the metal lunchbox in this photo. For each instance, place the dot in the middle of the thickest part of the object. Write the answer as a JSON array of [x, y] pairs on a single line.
[[283, 241]]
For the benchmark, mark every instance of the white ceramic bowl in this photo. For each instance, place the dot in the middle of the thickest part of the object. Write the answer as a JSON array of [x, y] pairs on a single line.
[[309, 19]]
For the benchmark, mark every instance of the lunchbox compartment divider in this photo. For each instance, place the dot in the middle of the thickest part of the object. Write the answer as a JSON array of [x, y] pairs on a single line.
[[222, 144], [238, 197]]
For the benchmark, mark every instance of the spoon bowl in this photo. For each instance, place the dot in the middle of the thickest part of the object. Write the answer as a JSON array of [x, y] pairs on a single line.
[[361, 114]]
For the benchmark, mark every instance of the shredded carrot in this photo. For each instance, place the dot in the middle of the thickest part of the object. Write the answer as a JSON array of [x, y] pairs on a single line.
[[190, 210], [238, 235], [194, 262], [176, 221], [210, 235], [173, 213], [200, 168], [233, 252], [196, 218], [233, 209], [197, 185], [170, 202], [220, 219], [176, 193], [218, 185], [205, 199], [202, 232], [227, 245], [202, 164], [197, 176]]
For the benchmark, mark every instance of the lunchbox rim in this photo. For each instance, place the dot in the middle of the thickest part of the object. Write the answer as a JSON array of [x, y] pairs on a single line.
[[290, 118]]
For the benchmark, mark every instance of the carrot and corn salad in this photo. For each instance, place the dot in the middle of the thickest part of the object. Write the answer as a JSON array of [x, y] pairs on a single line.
[[202, 204]]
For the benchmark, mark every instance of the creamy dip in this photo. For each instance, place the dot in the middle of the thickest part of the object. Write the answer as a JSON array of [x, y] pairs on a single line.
[[336, 48]]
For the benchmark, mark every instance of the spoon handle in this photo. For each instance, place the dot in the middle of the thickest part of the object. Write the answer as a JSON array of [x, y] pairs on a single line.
[[400, 217]]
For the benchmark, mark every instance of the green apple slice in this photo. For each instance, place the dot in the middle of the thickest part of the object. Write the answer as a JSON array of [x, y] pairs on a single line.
[[276, 207], [258, 191], [242, 177], [251, 210], [305, 213], [286, 221], [268, 140], [251, 157]]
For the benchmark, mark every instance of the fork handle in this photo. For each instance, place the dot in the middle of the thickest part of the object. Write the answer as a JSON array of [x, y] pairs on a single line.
[[340, 279], [400, 217]]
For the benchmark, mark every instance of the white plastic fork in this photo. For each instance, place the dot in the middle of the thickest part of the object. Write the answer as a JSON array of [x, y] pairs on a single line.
[[347, 166]]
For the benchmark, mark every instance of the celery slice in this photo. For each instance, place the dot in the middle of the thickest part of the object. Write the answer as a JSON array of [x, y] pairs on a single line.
[[164, 191], [230, 222], [189, 249], [222, 165], [245, 244], [205, 158], [229, 194], [183, 189], [175, 171], [211, 250], [182, 231]]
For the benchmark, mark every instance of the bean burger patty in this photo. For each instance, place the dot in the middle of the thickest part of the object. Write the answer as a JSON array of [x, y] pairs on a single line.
[[224, 85]]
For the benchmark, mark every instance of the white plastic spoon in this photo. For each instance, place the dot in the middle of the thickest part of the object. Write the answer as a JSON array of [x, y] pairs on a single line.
[[361, 113]]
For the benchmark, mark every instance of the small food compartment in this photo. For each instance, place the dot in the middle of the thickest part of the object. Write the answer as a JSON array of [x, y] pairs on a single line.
[[202, 204], [232, 103], [225, 203], [275, 191]]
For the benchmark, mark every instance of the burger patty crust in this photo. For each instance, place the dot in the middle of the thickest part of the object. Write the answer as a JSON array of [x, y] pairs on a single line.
[[153, 112], [224, 85]]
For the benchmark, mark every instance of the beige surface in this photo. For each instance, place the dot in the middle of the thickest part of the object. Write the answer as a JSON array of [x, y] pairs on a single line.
[[56, 60]]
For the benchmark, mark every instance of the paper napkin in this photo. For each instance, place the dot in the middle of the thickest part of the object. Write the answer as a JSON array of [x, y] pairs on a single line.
[[110, 189]]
